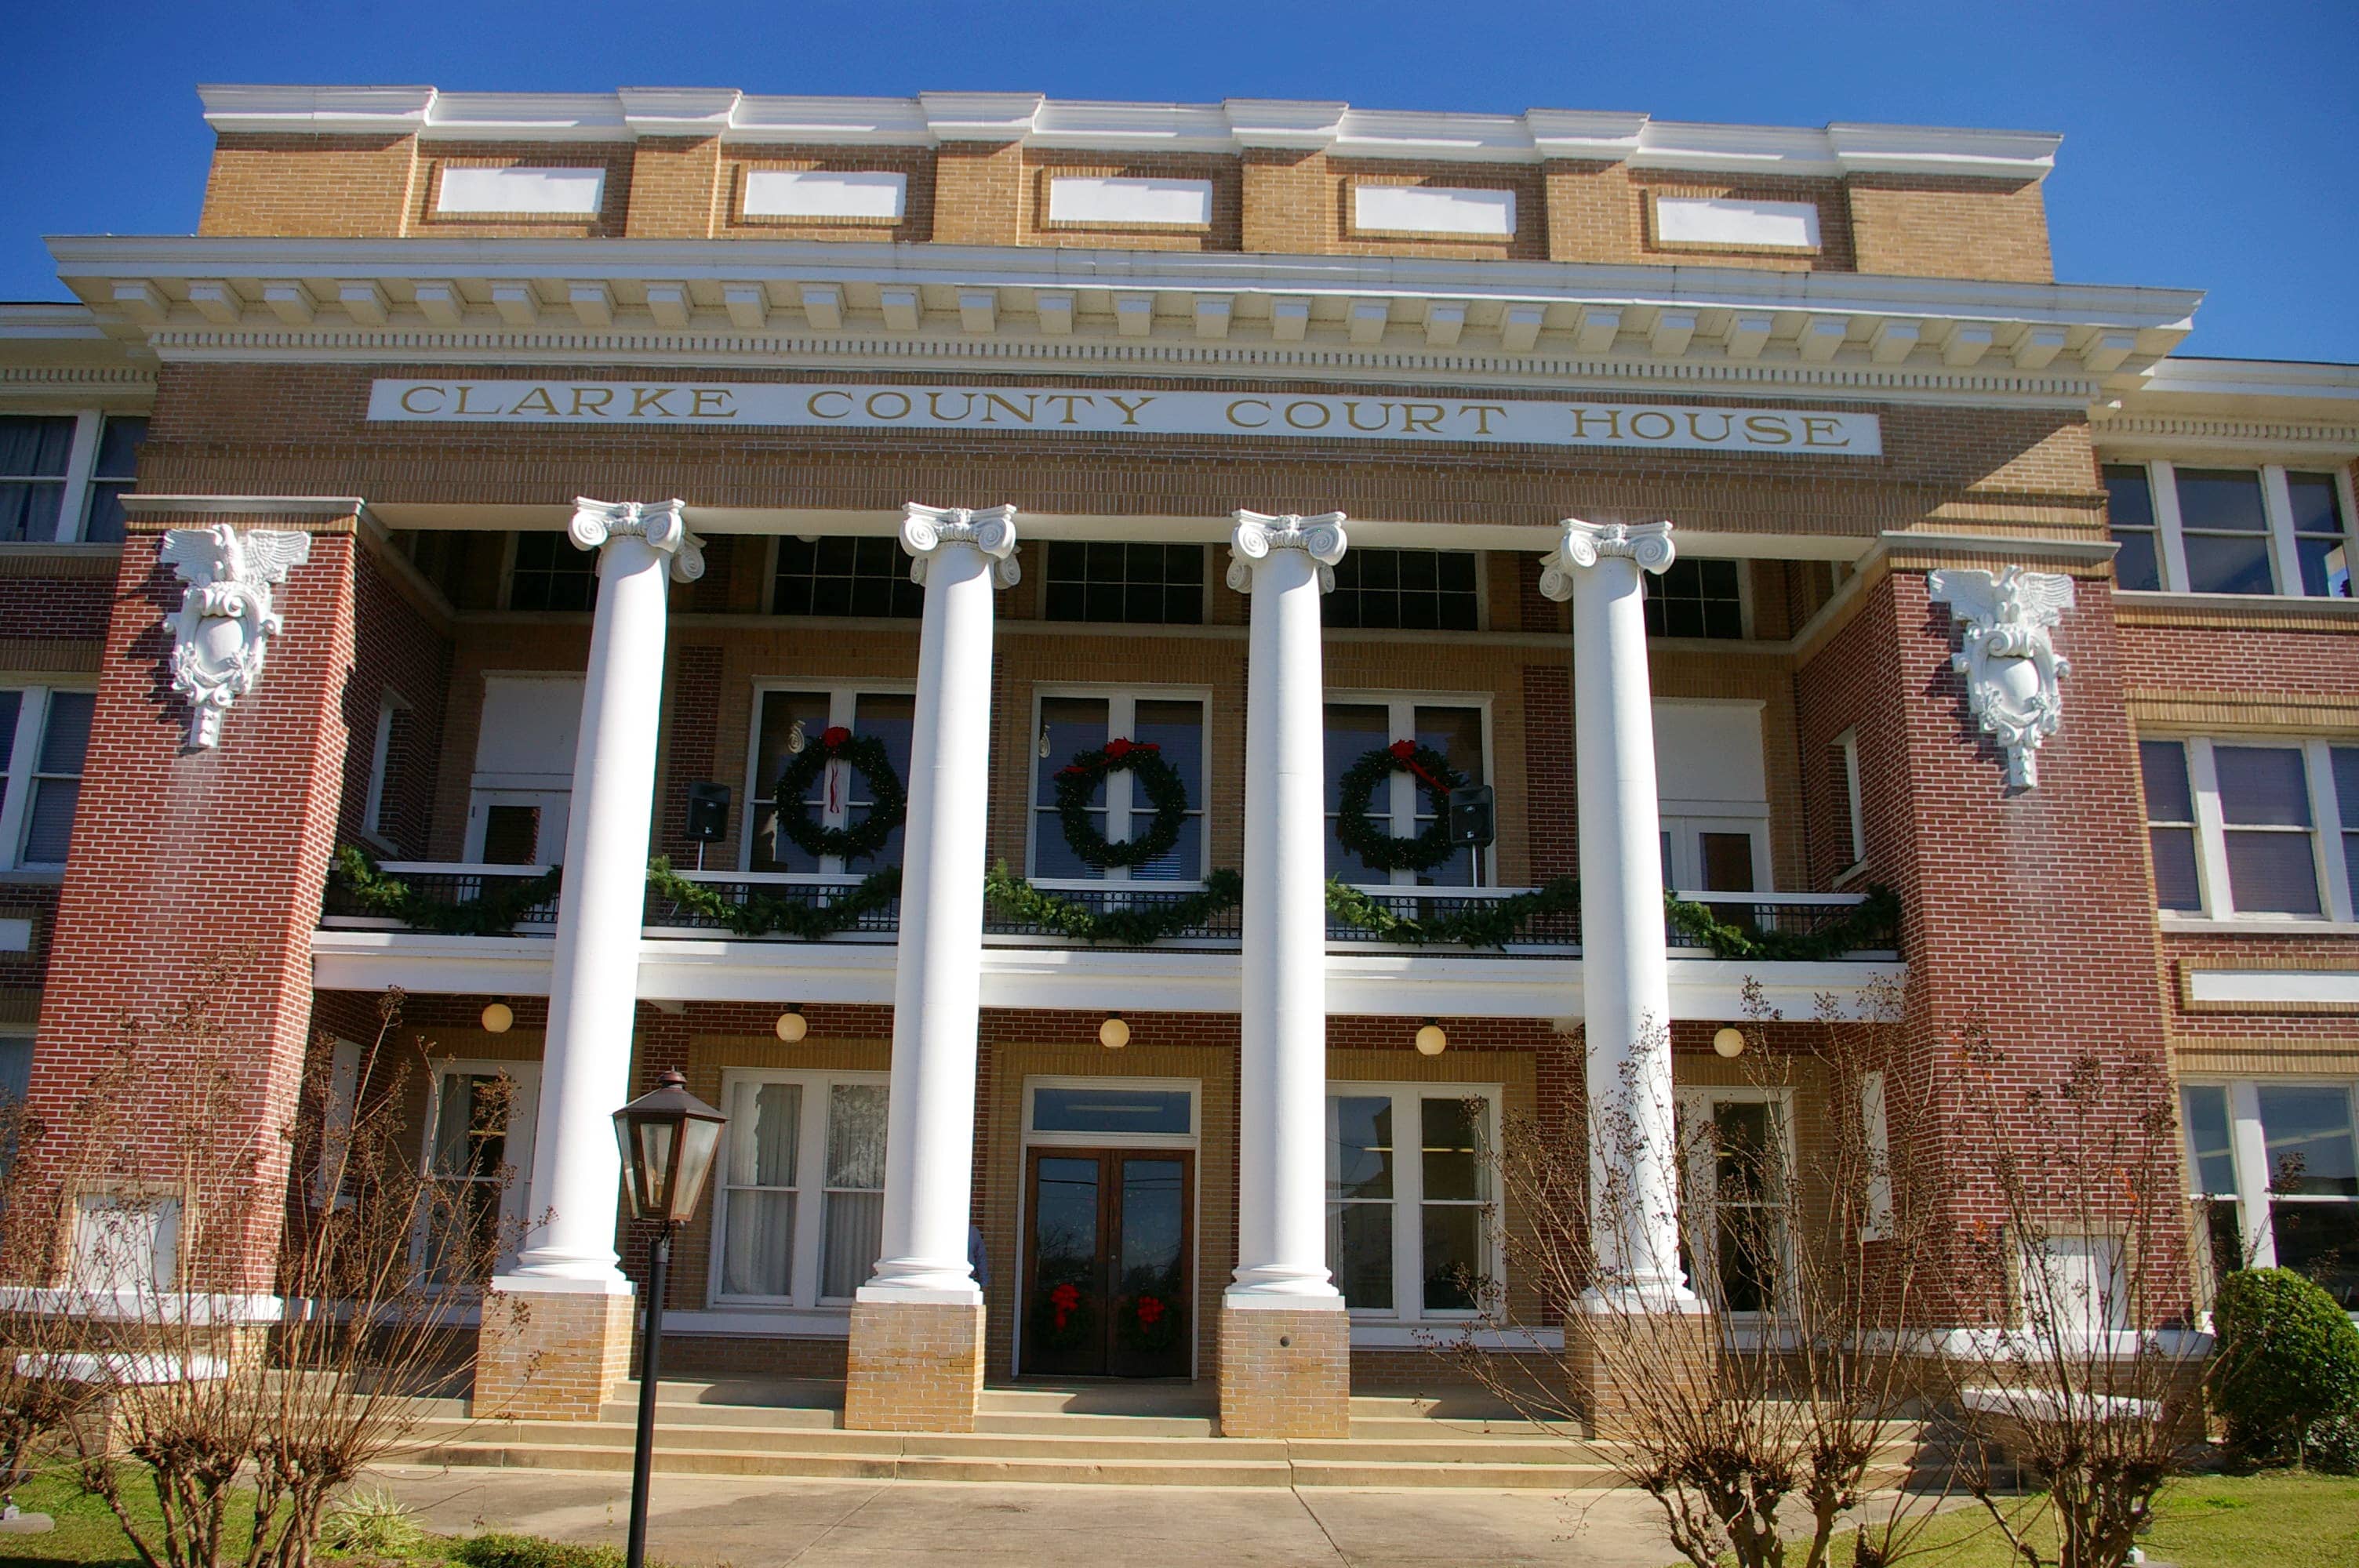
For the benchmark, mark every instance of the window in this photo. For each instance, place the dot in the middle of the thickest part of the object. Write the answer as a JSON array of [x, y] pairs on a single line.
[[1851, 831], [1119, 808], [1145, 584], [840, 576], [1697, 598], [520, 796], [125, 1243], [549, 573], [35, 454], [15, 1084], [1357, 727], [44, 734], [379, 810], [477, 1149], [111, 476], [2274, 1164], [1737, 1149], [2231, 530], [2129, 504], [1417, 590], [838, 797], [1408, 1230], [2236, 827], [802, 1196]]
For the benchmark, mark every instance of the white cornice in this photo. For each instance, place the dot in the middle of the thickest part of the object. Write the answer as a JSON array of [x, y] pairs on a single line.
[[2234, 406], [932, 118]]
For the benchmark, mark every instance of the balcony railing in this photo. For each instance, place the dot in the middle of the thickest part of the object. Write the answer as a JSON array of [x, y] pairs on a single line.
[[1437, 917]]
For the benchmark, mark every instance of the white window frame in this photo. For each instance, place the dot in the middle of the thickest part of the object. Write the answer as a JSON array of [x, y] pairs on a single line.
[[843, 705], [1686, 834], [524, 1119], [1409, 1194], [23, 755], [2326, 828], [2249, 1150], [389, 704], [1848, 744], [2276, 504], [1121, 794], [811, 1190], [1700, 1179], [1400, 724]]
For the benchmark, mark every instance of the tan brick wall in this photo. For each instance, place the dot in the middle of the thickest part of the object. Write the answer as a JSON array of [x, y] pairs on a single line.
[[309, 186], [979, 193], [675, 188], [1285, 1374], [1921, 227], [914, 1367], [1223, 233], [434, 159], [551, 1356], [916, 164]]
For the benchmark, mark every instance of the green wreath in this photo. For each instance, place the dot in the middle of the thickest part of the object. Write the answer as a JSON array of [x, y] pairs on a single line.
[[1359, 833], [864, 754], [1166, 790]]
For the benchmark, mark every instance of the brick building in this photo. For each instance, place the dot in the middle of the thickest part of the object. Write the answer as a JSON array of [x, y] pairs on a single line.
[[596, 450]]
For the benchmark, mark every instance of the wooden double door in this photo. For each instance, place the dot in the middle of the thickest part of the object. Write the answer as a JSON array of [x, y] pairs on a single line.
[[1107, 1251]]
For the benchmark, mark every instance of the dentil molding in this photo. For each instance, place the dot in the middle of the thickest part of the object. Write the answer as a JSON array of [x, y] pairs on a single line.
[[2011, 665], [225, 620]]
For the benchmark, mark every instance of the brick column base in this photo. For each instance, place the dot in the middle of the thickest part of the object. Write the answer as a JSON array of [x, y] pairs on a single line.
[[1284, 1373], [551, 1355], [1620, 1363], [914, 1367]]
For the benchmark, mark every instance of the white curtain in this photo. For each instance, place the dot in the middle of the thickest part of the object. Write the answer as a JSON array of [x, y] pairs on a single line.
[[855, 1180]]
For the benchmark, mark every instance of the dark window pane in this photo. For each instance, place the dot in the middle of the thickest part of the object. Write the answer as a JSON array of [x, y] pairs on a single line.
[[1696, 599], [2167, 796], [65, 738], [2228, 563], [1414, 589], [1360, 1159], [2135, 564], [119, 446], [11, 704], [29, 511], [1109, 1111], [551, 574], [2129, 500], [511, 835], [2262, 786], [840, 575], [2222, 500], [2204, 1108], [2175, 884], [1727, 862], [1150, 585], [2320, 1240], [2272, 873], [35, 446], [2311, 1146]]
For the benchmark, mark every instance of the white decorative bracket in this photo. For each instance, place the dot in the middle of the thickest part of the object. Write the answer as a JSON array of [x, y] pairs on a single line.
[[662, 524], [926, 529], [1586, 543], [225, 620], [2012, 668], [1256, 535]]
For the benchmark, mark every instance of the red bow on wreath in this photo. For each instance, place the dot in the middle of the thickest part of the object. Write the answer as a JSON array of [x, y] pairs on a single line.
[[1405, 753], [1150, 1310], [1125, 748], [1063, 1302], [833, 736]]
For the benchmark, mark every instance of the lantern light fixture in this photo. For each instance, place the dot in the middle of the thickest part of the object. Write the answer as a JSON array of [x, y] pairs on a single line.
[[498, 1018], [1114, 1033], [1432, 1040], [1729, 1042], [792, 1025]]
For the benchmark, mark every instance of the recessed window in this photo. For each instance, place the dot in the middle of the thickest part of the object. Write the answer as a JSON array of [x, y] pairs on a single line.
[[2224, 527], [478, 1137], [2322, 539], [1414, 591], [1851, 826], [837, 575], [803, 1192], [2265, 822], [1696, 599], [1119, 810], [2129, 509], [2274, 1166], [1144, 585], [2256, 828], [550, 573], [1402, 803], [113, 473], [33, 452], [2170, 824], [838, 795], [1407, 1194], [1736, 1146]]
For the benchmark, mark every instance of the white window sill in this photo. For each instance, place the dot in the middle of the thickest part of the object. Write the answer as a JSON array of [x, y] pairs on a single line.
[[799, 1323], [2172, 599], [2254, 926]]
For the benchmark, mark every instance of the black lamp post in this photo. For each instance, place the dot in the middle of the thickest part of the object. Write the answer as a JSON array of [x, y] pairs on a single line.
[[668, 1138]]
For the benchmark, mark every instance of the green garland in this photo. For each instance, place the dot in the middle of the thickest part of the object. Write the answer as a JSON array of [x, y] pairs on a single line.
[[763, 914], [888, 802], [1484, 922], [1019, 901], [494, 913], [1358, 832], [1079, 779], [1874, 923]]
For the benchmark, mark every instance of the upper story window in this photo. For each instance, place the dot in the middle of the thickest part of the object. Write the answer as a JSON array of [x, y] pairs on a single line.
[[1119, 809], [63, 476], [550, 573], [2269, 530], [1357, 727], [1145, 585], [838, 797], [44, 734], [1697, 598], [1416, 590], [2274, 1166], [837, 575], [2253, 827]]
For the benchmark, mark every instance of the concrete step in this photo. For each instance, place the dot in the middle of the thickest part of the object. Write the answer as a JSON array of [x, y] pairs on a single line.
[[765, 1418]]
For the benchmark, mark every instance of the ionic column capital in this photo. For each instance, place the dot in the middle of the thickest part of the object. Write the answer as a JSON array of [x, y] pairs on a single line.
[[1586, 543], [926, 529], [662, 524], [1256, 535]]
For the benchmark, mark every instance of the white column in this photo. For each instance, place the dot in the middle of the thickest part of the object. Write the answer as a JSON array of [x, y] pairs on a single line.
[[1285, 563], [594, 983], [1624, 969], [960, 556]]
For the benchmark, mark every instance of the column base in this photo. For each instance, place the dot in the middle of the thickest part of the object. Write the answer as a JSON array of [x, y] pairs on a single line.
[[1623, 1368], [914, 1367], [551, 1355], [1285, 1372]]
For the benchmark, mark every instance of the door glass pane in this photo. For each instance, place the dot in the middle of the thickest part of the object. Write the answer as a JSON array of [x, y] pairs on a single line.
[[855, 1180], [2204, 1109], [1151, 1271], [891, 718], [2309, 1140], [781, 712], [511, 835], [1727, 862], [1359, 1190], [1071, 725], [1178, 730], [1093, 1109], [1454, 1275], [1066, 1328]]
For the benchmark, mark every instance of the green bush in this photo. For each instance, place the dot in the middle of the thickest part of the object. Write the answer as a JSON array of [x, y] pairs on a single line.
[[2332, 1445], [372, 1524], [2289, 1360], [531, 1551]]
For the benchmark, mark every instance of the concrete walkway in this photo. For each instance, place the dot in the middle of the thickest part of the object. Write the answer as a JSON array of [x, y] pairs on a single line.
[[703, 1521]]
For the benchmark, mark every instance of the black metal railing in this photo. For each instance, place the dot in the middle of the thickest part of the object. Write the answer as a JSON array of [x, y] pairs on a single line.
[[1454, 919], [1101, 899], [442, 883], [667, 917]]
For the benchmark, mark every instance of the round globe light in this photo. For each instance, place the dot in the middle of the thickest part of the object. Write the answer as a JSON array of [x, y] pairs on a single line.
[[1432, 1040], [792, 1025], [498, 1018], [1114, 1033], [1729, 1042]]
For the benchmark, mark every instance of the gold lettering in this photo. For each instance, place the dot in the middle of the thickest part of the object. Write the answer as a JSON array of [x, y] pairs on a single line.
[[645, 398], [1695, 426], [1130, 406], [1324, 413], [536, 401], [410, 407], [582, 404], [1351, 413], [462, 408], [711, 401], [1662, 435], [1812, 425], [1482, 412], [1766, 431], [934, 407], [1581, 416], [1260, 403], [819, 413], [1031, 403], [1069, 399], [1411, 420], [876, 397]]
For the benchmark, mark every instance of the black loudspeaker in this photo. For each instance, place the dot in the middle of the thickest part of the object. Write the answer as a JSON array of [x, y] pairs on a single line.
[[1473, 816], [708, 812]]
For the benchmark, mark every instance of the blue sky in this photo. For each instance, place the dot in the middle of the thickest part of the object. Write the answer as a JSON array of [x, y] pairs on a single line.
[[2206, 145]]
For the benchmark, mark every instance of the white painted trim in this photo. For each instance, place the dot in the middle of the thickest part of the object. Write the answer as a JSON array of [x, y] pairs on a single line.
[[867, 195], [2163, 487], [81, 461], [2271, 986], [1407, 1311], [1173, 203], [1734, 222], [520, 190], [1473, 212]]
